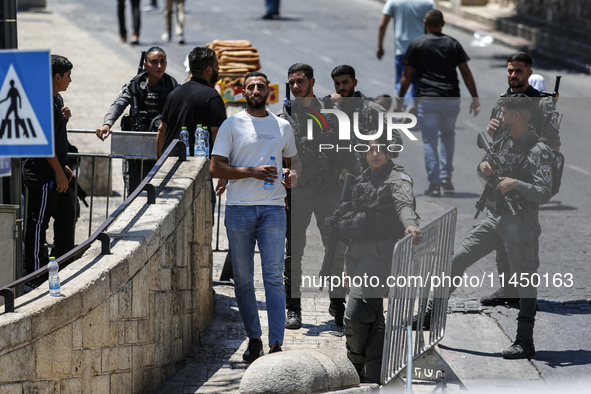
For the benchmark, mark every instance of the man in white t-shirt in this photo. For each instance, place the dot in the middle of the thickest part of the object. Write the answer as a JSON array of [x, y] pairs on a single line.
[[254, 213]]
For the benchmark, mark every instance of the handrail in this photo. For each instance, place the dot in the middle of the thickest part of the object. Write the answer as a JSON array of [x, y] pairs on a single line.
[[99, 234]]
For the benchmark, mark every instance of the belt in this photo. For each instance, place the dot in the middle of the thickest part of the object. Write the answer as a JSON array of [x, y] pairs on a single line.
[[525, 205], [529, 205]]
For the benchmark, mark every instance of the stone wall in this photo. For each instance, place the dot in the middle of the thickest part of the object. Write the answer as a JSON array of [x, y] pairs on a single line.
[[574, 14], [569, 14], [126, 318]]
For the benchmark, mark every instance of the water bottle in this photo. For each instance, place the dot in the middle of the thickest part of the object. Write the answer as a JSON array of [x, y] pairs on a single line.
[[268, 186], [206, 140], [185, 139], [54, 279], [199, 145]]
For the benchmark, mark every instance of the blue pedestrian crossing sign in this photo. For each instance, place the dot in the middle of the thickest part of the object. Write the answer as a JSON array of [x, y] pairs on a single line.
[[26, 104]]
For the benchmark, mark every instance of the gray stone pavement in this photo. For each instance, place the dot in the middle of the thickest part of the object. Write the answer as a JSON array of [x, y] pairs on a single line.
[[472, 343], [216, 365]]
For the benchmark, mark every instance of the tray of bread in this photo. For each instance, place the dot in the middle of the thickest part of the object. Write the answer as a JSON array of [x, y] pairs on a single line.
[[237, 58]]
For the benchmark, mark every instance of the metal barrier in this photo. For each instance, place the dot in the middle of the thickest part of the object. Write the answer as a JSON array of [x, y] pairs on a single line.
[[124, 145], [417, 271], [100, 234]]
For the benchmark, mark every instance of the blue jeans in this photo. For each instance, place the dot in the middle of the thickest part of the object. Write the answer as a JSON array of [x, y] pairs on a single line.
[[437, 120], [265, 224], [272, 7], [413, 91]]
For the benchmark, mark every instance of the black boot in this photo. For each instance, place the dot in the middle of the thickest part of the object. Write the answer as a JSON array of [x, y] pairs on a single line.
[[337, 309]]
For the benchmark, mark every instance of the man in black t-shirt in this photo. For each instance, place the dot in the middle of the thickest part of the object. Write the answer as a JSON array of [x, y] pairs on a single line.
[[194, 102], [435, 57], [47, 179]]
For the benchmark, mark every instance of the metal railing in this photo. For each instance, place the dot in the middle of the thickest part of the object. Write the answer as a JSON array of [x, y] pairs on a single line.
[[100, 234], [124, 145], [418, 267]]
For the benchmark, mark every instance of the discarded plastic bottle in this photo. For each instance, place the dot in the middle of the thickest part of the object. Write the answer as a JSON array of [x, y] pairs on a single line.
[[54, 279], [199, 145], [185, 139], [206, 140], [268, 186], [481, 39]]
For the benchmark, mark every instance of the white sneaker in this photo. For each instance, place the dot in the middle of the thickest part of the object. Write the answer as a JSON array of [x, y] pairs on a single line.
[[165, 37], [180, 39]]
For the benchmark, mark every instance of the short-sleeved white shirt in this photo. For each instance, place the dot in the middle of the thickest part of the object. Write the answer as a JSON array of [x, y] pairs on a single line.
[[249, 141]]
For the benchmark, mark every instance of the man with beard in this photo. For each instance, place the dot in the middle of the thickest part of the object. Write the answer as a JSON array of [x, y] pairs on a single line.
[[195, 102], [244, 144], [319, 189], [529, 186], [351, 101], [518, 72]]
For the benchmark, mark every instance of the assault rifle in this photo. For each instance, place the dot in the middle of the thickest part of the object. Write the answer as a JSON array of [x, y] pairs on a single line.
[[81, 193], [136, 122], [551, 112], [331, 224], [555, 93], [500, 168]]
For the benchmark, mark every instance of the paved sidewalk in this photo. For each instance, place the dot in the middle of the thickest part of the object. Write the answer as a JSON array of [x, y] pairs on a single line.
[[215, 366]]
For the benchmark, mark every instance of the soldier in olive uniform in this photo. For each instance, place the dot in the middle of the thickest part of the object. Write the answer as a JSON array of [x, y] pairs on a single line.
[[352, 101], [319, 188], [381, 211], [146, 92], [531, 181], [544, 120]]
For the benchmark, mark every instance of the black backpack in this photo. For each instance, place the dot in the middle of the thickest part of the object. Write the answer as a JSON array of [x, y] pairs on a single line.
[[557, 169]]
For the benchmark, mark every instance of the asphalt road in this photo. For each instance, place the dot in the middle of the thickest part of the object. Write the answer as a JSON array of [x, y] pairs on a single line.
[[327, 33]]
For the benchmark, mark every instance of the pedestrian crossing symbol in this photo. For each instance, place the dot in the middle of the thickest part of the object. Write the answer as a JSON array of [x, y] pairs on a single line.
[[26, 104]]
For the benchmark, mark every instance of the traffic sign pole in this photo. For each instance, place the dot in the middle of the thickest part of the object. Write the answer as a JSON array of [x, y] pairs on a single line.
[[8, 37], [11, 187]]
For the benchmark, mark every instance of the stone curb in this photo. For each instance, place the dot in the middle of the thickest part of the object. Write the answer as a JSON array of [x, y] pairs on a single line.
[[299, 371], [515, 35]]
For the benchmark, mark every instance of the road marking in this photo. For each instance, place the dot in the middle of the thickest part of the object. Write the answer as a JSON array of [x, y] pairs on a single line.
[[326, 59], [578, 169]]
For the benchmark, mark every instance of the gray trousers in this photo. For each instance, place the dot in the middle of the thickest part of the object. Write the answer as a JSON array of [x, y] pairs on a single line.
[[519, 235], [364, 331], [364, 315], [305, 203]]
